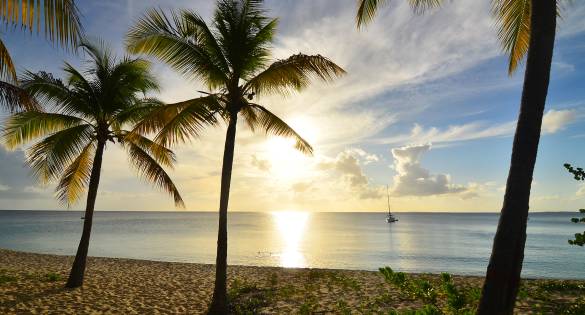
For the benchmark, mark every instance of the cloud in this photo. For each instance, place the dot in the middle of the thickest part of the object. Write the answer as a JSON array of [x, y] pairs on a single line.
[[553, 121], [557, 120], [263, 165], [16, 180], [348, 164], [581, 191], [300, 187], [414, 180], [367, 157]]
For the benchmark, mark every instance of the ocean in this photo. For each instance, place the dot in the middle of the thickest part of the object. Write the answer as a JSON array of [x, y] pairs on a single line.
[[458, 243]]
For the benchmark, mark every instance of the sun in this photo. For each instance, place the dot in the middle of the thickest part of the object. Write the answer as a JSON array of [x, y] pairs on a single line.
[[287, 162]]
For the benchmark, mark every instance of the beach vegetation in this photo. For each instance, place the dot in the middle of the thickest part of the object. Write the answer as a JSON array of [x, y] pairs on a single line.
[[309, 306], [343, 308], [273, 281], [446, 297], [248, 299], [525, 29], [65, 141], [231, 56], [52, 277], [5, 277], [579, 175], [57, 20]]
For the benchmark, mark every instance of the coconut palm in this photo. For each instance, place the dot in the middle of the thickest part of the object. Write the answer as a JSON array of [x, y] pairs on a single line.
[[525, 27], [231, 56], [60, 23], [86, 112]]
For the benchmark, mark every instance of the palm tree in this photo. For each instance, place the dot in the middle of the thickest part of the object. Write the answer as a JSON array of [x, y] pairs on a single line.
[[87, 112], [526, 27], [60, 22], [232, 58]]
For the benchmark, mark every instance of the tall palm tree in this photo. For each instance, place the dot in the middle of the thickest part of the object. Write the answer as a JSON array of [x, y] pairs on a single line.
[[60, 23], [86, 112], [526, 27], [231, 56]]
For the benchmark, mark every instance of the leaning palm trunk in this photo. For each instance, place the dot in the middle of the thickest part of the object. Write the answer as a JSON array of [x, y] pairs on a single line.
[[78, 269], [219, 303], [505, 266]]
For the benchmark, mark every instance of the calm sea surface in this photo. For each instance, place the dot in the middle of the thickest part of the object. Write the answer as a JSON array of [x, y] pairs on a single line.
[[419, 242]]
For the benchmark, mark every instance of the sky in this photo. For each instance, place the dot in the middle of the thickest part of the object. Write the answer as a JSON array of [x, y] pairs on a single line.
[[427, 109]]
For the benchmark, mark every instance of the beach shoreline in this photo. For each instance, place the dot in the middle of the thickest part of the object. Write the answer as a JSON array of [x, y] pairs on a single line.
[[33, 283]]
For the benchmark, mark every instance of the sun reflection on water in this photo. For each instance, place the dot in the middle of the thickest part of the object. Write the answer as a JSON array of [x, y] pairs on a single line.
[[291, 227]]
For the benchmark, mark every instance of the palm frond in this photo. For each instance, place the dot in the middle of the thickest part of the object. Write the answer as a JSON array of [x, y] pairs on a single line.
[[140, 109], [100, 53], [59, 19], [7, 69], [245, 35], [276, 126], [513, 22], [44, 87], [160, 153], [76, 177], [176, 123], [151, 171], [293, 73], [14, 98], [175, 41], [206, 38], [421, 6], [49, 157], [21, 128], [367, 9]]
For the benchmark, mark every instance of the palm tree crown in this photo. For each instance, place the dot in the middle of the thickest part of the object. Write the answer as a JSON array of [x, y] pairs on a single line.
[[87, 111], [58, 20], [232, 58]]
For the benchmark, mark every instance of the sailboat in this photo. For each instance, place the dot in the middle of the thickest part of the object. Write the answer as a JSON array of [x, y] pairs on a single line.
[[390, 217]]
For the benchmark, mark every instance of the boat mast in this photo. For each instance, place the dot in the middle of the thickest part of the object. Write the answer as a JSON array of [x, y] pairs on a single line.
[[388, 197]]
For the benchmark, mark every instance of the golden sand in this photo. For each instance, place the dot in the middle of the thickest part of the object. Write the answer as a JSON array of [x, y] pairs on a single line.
[[33, 284]]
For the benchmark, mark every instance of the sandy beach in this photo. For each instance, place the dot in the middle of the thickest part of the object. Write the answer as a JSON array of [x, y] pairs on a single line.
[[33, 284]]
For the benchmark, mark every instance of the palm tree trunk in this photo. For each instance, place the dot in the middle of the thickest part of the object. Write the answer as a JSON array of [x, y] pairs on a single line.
[[78, 269], [219, 303], [505, 266]]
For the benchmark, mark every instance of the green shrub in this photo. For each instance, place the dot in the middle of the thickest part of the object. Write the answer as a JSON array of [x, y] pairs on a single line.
[[52, 277], [343, 307], [4, 278], [247, 299], [424, 290]]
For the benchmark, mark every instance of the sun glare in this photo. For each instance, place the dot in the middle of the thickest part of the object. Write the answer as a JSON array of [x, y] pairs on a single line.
[[291, 227], [286, 161]]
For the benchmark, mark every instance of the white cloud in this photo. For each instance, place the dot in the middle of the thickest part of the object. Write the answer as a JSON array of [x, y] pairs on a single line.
[[414, 180], [553, 121], [34, 189], [557, 120], [367, 157], [301, 187], [348, 164]]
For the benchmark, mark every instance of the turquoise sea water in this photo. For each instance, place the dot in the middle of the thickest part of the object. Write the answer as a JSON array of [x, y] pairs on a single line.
[[419, 242]]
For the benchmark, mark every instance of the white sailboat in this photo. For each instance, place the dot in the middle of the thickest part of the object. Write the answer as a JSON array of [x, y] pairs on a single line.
[[390, 217]]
